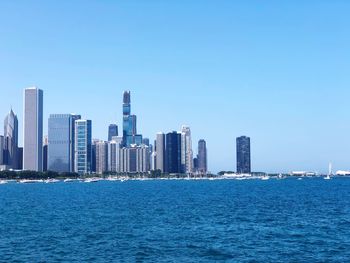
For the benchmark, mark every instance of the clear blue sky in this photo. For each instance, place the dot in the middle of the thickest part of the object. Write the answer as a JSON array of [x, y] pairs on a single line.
[[277, 71]]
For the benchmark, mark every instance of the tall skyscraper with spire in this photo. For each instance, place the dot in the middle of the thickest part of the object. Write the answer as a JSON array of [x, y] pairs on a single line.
[[10, 156], [33, 129], [130, 135]]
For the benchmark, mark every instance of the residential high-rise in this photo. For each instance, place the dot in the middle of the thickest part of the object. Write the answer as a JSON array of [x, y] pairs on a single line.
[[135, 159], [186, 150], [114, 154], [61, 142], [83, 150], [93, 155], [173, 152], [243, 155], [33, 129], [112, 131], [202, 157], [101, 157], [10, 147], [160, 152]]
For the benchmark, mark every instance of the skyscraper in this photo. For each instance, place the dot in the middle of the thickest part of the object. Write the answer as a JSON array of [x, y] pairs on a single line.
[[33, 129], [114, 154], [202, 157], [130, 135], [72, 143], [10, 154], [1, 150], [160, 152], [173, 152], [83, 151], [101, 157], [61, 142], [135, 159], [243, 155], [45, 153], [186, 150], [112, 131]]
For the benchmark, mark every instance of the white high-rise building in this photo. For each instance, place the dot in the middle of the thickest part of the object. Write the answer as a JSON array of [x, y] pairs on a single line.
[[160, 152], [33, 129], [186, 150], [135, 159], [101, 157], [114, 154]]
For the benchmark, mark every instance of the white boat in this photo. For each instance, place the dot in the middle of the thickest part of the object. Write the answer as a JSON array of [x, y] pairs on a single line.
[[51, 181], [3, 182], [92, 180], [265, 177], [69, 180], [26, 181], [328, 177]]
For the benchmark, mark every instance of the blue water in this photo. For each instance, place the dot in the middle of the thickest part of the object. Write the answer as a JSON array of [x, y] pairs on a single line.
[[176, 221]]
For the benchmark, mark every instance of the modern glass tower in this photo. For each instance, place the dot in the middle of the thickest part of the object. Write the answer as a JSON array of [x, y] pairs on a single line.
[[33, 129], [160, 152], [173, 152], [202, 157], [11, 140], [130, 135], [61, 142], [112, 131], [83, 150], [243, 155]]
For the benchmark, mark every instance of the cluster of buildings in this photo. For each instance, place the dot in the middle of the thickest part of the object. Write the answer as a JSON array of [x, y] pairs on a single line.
[[69, 146]]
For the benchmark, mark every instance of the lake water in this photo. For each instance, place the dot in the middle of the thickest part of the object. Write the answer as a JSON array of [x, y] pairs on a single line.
[[177, 221]]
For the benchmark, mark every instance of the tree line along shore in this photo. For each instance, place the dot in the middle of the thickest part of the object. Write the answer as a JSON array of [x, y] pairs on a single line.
[[20, 175]]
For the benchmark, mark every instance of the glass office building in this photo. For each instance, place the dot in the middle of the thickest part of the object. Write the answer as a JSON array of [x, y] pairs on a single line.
[[83, 149], [243, 155], [173, 152], [61, 142]]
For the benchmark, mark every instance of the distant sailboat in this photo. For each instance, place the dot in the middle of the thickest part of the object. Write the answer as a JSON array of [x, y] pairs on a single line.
[[328, 177]]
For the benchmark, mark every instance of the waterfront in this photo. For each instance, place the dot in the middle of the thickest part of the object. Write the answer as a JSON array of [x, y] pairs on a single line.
[[176, 220]]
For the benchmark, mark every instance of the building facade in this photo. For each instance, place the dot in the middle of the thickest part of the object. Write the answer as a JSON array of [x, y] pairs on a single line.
[[186, 150], [130, 135], [173, 152], [101, 157], [112, 131], [61, 133], [243, 155], [83, 146], [160, 152], [114, 147], [10, 147], [33, 129], [202, 157], [1, 150]]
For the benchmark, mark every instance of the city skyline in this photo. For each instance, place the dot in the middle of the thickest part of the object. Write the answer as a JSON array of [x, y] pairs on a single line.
[[284, 83]]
